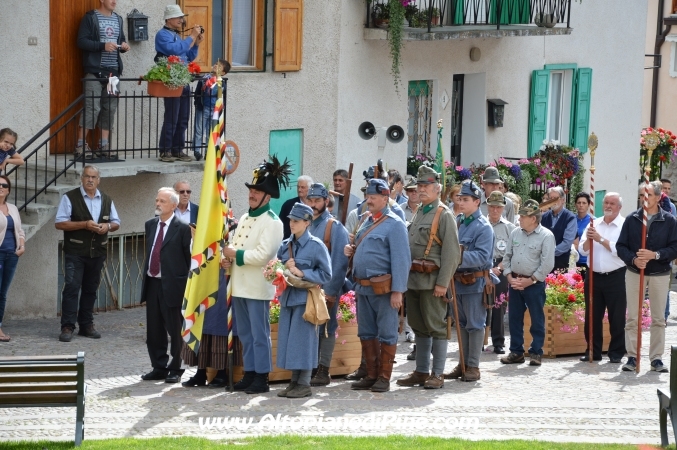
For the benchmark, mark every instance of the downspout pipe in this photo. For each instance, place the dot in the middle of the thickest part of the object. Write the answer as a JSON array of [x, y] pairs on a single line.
[[660, 39]]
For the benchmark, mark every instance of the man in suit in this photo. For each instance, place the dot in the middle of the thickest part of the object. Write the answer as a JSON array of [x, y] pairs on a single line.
[[164, 283], [186, 211]]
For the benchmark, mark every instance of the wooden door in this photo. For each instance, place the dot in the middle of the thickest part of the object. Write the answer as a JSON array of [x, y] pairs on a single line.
[[65, 68], [200, 13]]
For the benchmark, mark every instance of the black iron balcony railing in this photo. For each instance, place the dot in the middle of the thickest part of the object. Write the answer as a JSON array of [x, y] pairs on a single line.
[[136, 126], [430, 14]]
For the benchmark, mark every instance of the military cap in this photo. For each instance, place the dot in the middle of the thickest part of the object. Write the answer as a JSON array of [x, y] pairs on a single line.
[[377, 186], [529, 208], [470, 189], [427, 175], [317, 190], [411, 184], [491, 175], [301, 212], [496, 199]]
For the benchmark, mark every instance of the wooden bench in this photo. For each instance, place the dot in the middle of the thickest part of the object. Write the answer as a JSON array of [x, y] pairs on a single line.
[[667, 401], [45, 381]]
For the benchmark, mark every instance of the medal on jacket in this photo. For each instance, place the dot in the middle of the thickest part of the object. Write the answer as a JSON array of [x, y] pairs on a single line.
[[501, 245]]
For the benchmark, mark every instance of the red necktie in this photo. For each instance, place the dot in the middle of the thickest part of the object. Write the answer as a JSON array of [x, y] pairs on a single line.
[[155, 255]]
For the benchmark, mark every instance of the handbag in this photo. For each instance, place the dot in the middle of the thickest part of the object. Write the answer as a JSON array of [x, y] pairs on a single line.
[[316, 307]]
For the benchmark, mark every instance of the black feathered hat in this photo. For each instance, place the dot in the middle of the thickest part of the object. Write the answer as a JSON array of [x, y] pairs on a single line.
[[270, 175]]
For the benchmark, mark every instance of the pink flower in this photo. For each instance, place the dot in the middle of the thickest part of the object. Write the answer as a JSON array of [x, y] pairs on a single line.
[[492, 164], [643, 133]]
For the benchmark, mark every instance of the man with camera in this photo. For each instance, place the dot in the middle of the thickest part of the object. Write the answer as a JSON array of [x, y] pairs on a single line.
[[380, 268], [168, 42], [433, 242], [101, 39]]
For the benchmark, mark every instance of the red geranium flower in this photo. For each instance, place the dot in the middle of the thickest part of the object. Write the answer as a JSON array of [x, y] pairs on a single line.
[[572, 298], [173, 59]]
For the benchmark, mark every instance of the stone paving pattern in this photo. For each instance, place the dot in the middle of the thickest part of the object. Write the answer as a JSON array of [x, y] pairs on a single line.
[[563, 400]]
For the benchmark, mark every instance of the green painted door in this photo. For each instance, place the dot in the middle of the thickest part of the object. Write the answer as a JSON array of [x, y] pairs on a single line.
[[287, 144]]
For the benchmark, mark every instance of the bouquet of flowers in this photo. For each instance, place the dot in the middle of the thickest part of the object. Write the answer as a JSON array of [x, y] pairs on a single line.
[[274, 273], [172, 72], [664, 152]]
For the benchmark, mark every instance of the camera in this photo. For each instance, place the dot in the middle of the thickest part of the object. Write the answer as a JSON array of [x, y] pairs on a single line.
[[202, 30]]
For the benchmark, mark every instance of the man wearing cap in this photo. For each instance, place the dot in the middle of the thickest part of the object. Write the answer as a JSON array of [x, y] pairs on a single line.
[[411, 205], [168, 42], [491, 181], [529, 257], [502, 230], [340, 179], [563, 225], [380, 269], [335, 237], [476, 237], [433, 242], [254, 244]]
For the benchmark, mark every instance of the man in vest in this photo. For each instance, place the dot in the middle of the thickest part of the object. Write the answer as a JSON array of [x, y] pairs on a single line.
[[335, 237], [86, 216], [256, 240], [562, 223], [381, 264], [433, 243]]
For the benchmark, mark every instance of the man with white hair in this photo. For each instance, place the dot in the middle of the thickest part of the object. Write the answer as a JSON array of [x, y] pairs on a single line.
[[164, 282], [562, 223], [302, 184], [608, 272], [661, 243]]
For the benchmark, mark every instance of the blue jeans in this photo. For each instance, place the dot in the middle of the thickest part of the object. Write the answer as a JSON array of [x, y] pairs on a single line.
[[177, 113], [203, 118], [532, 298], [8, 262]]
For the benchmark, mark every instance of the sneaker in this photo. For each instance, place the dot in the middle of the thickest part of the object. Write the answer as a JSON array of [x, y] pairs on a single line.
[[513, 358], [657, 365], [183, 157], [79, 150], [411, 337], [631, 365], [66, 334], [534, 360], [167, 158]]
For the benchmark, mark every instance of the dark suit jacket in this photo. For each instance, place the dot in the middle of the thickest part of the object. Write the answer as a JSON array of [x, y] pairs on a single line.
[[284, 212], [174, 260], [193, 212]]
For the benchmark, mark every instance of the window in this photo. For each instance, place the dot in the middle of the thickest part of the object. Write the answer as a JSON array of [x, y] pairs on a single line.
[[560, 106], [420, 117]]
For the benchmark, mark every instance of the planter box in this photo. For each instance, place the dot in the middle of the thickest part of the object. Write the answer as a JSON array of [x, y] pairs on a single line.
[[558, 342], [158, 89], [346, 357]]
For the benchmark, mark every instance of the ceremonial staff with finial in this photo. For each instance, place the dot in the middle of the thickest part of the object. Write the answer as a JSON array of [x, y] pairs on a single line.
[[592, 146], [651, 141]]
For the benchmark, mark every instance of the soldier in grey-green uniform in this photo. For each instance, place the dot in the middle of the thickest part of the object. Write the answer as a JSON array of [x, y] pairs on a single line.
[[502, 229], [435, 254]]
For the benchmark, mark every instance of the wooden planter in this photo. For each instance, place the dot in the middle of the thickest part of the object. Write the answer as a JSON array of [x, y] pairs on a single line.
[[558, 342], [346, 357], [158, 89]]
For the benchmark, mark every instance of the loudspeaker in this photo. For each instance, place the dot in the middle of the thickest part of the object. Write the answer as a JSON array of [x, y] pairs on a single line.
[[366, 130], [395, 134]]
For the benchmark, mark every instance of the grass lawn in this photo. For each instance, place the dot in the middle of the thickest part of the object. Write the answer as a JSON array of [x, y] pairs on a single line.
[[312, 443]]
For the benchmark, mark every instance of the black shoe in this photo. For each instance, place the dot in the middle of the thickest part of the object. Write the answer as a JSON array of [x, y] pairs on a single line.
[[218, 383], [246, 380], [412, 356], [89, 331], [499, 350], [155, 374], [198, 156], [260, 384], [594, 358], [66, 334], [194, 382], [615, 360], [173, 377]]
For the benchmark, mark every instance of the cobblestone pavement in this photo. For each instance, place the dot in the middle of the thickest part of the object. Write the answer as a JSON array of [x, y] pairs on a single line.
[[563, 400]]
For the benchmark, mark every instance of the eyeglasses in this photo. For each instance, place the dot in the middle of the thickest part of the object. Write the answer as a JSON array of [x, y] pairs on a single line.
[[4, 185], [186, 192]]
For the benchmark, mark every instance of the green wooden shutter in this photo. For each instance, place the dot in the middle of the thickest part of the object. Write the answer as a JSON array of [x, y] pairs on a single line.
[[599, 203], [287, 144], [580, 125], [538, 110]]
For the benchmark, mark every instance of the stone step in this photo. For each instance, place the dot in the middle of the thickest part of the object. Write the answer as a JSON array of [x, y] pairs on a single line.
[[38, 214], [50, 196]]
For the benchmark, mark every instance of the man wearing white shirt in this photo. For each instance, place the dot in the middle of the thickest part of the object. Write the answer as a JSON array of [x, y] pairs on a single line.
[[186, 211], [608, 272]]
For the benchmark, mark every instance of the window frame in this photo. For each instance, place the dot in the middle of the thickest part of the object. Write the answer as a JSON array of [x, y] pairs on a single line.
[[258, 34], [566, 102]]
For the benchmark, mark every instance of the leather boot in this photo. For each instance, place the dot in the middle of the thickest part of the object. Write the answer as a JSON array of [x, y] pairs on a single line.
[[471, 374], [246, 380], [455, 374], [260, 384], [386, 361], [360, 372], [370, 350], [413, 379], [322, 377]]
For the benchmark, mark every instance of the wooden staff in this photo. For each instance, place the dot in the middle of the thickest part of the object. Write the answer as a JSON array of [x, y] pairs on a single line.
[[346, 195], [651, 141], [452, 285], [592, 146]]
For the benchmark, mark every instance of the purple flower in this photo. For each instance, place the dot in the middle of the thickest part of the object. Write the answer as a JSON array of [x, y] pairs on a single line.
[[516, 172]]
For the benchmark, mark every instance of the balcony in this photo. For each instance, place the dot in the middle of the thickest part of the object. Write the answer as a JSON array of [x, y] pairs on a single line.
[[471, 19]]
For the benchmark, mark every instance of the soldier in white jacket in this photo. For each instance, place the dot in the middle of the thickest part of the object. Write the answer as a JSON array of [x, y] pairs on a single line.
[[256, 240]]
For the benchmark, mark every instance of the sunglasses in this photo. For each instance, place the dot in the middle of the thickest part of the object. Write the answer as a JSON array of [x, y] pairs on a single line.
[[186, 192], [4, 185]]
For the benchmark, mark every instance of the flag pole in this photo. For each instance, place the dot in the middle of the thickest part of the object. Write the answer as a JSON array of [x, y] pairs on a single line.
[[651, 141], [592, 146]]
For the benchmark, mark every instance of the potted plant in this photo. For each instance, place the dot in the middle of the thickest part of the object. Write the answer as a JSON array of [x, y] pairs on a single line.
[[381, 14], [410, 11], [169, 75], [435, 17], [419, 19]]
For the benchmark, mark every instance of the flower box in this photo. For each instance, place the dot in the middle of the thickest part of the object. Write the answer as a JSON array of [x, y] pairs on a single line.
[[346, 357], [158, 89], [563, 337]]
